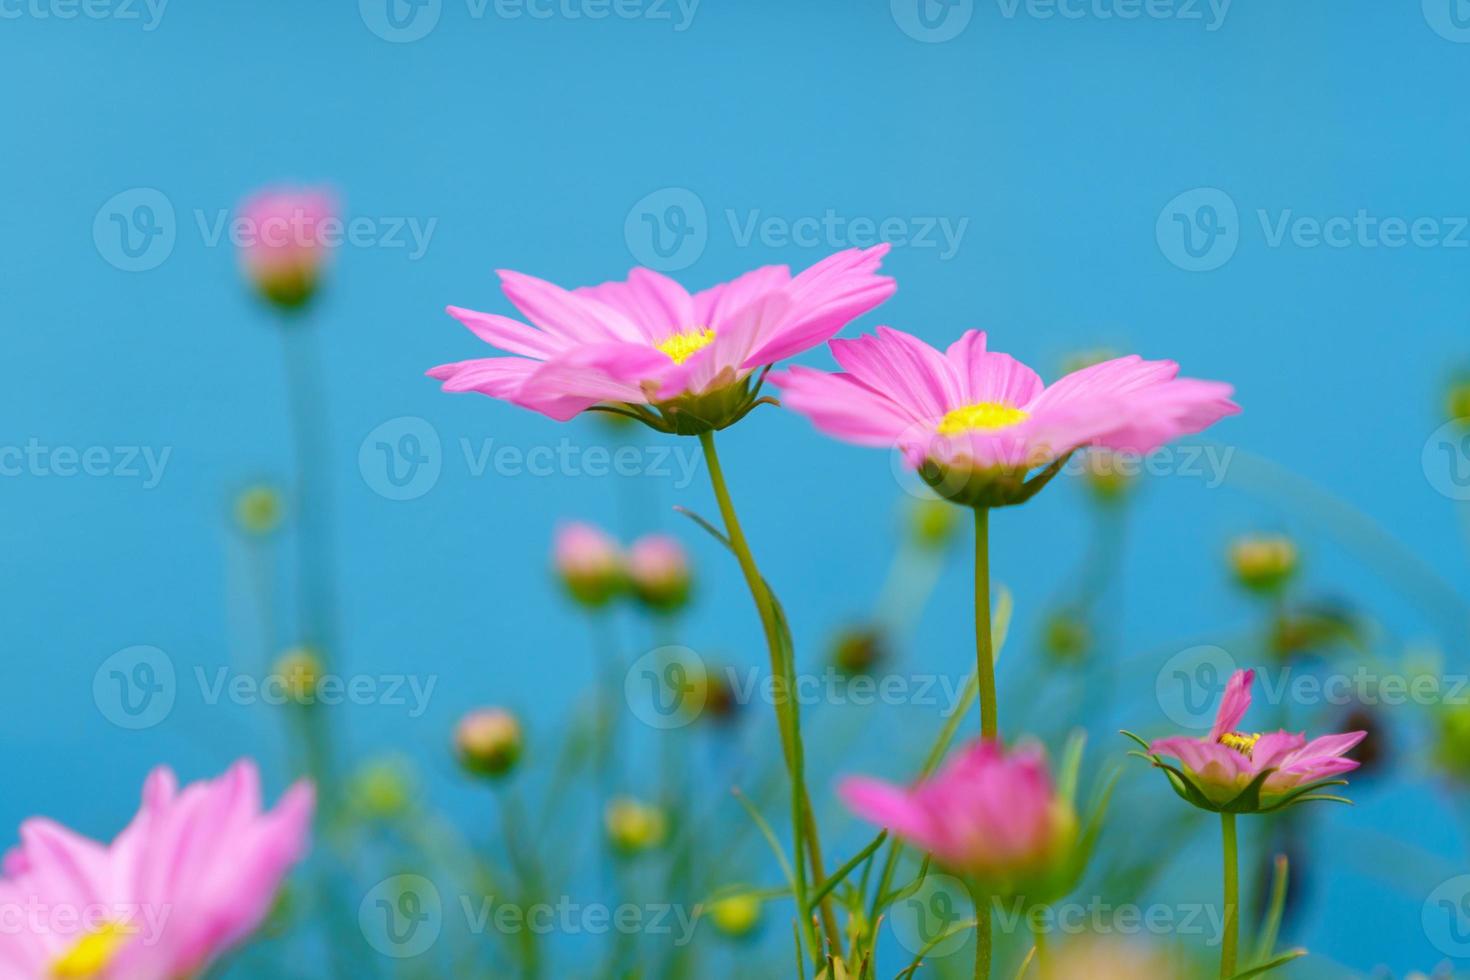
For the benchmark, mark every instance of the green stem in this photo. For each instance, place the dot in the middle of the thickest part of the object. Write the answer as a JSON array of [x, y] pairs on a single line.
[[1038, 932], [983, 939], [1231, 938], [788, 712], [984, 649]]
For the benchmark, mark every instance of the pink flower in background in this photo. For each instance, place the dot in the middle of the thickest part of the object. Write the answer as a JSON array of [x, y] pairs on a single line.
[[283, 234], [1223, 764], [989, 814], [588, 562], [974, 422], [648, 342], [193, 875], [658, 570]]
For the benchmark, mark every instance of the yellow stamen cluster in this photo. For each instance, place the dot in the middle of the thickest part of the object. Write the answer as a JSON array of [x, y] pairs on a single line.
[[981, 417], [93, 953], [1239, 742], [680, 346]]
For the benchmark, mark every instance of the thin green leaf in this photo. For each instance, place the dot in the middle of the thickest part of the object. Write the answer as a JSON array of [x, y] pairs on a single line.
[[714, 532], [1026, 963], [1274, 909], [842, 872], [1071, 766], [769, 835], [1281, 960]]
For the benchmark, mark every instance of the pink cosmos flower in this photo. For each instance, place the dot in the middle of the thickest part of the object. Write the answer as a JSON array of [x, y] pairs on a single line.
[[193, 875], [989, 814], [284, 234], [1222, 765], [974, 422], [588, 561], [647, 344]]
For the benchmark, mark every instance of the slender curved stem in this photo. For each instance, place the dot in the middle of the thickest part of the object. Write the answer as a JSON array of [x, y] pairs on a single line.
[[788, 713], [1231, 939], [984, 648]]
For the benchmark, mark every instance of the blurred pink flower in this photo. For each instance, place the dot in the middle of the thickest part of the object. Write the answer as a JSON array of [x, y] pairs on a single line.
[[588, 561], [988, 814], [648, 342], [658, 569], [283, 239], [193, 875], [1227, 761], [975, 422]]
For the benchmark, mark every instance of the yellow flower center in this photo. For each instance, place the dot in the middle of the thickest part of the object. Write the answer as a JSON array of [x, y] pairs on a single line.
[[93, 953], [681, 346], [981, 417], [1240, 742]]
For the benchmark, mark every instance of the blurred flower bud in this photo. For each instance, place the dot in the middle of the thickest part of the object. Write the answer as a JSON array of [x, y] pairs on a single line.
[[258, 509], [859, 650], [658, 570], [298, 672], [588, 563], [1108, 959], [933, 522], [1263, 563], [1109, 475], [1452, 741], [1079, 359], [718, 700], [736, 916], [1373, 751], [488, 741], [381, 789], [283, 242], [1457, 400], [1067, 636], [634, 826], [1311, 627]]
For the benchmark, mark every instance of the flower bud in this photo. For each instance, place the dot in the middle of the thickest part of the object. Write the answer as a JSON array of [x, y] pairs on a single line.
[[589, 564], [258, 509], [736, 916], [283, 245], [658, 570], [1452, 741], [859, 650], [488, 741], [1263, 563], [1457, 400], [381, 789], [1067, 636], [1107, 475], [933, 522], [298, 671], [714, 694], [634, 826]]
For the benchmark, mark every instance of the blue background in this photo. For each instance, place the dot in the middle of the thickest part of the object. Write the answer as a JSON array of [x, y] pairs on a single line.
[[528, 141]]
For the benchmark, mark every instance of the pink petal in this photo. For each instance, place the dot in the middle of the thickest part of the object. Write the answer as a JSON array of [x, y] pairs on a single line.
[[1234, 704], [887, 806], [658, 305], [565, 315], [842, 406], [901, 366], [509, 335], [715, 306], [824, 299]]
